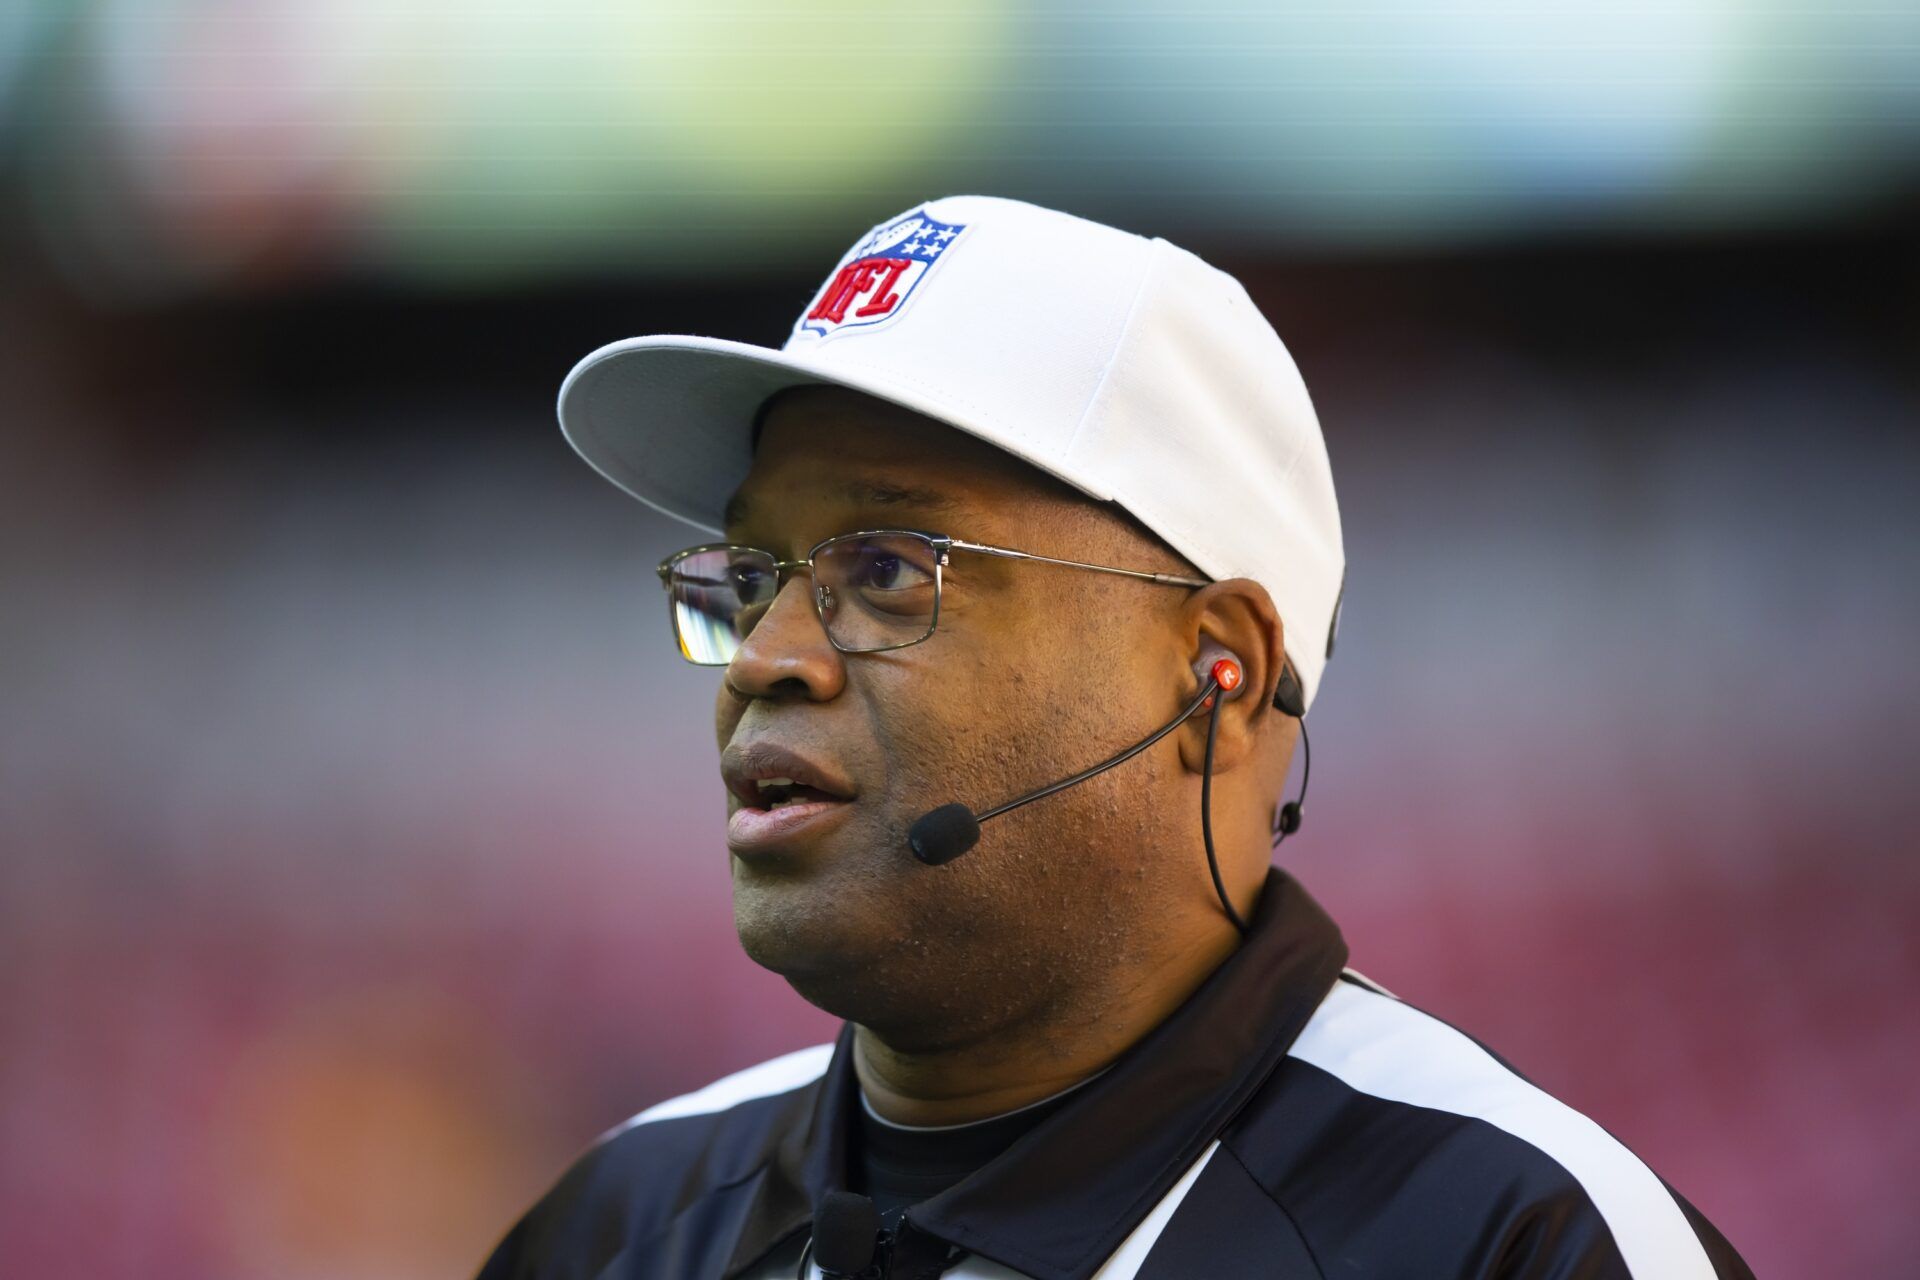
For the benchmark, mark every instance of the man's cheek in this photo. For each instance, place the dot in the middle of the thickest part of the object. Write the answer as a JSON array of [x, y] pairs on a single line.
[[978, 750]]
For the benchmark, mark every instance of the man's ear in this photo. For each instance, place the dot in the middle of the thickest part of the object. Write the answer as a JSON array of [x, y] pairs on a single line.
[[1237, 615]]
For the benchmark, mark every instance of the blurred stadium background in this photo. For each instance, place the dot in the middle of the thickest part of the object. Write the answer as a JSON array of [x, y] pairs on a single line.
[[361, 835]]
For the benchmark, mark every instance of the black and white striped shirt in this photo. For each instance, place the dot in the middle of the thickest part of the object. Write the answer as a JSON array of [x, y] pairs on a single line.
[[1291, 1120]]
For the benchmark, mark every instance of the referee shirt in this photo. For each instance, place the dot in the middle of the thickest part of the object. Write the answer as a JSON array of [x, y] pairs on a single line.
[[1291, 1120]]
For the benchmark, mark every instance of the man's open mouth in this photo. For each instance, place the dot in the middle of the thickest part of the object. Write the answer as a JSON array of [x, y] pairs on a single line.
[[783, 793], [776, 793], [778, 809]]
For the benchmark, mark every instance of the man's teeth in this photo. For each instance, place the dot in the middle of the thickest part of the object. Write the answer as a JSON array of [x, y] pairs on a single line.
[[776, 792]]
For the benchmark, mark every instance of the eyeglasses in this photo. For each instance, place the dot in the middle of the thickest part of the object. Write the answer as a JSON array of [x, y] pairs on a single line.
[[874, 590]]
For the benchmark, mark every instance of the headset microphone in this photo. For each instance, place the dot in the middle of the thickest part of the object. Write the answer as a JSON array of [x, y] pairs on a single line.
[[941, 835]]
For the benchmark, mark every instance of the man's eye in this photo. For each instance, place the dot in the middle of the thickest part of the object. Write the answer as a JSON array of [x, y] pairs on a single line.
[[749, 580], [882, 571]]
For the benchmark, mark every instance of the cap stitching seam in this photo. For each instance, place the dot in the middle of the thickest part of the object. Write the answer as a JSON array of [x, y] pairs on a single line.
[[1113, 358]]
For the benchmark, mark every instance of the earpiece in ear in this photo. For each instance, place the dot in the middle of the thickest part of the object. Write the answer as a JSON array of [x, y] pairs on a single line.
[[1222, 665]]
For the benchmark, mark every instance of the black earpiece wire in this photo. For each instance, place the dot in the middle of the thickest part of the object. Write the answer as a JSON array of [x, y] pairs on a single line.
[[1206, 812], [1288, 820]]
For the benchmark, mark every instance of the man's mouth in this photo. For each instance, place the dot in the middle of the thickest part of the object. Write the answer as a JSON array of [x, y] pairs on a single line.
[[787, 813], [783, 793], [777, 793]]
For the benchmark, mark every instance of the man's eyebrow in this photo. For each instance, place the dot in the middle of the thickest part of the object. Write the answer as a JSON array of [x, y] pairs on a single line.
[[868, 493], [880, 493]]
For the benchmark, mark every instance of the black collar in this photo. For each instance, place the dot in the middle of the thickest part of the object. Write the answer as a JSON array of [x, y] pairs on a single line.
[[1063, 1197]]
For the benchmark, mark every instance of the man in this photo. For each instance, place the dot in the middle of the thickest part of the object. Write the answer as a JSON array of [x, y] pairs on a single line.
[[1022, 492]]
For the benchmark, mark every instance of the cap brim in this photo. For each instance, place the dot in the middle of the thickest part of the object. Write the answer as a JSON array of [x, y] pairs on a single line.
[[669, 417]]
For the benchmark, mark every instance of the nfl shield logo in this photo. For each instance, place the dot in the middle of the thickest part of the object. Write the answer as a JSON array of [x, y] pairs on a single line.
[[873, 283]]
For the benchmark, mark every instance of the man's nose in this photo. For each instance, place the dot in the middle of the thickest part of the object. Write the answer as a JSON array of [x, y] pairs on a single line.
[[787, 654]]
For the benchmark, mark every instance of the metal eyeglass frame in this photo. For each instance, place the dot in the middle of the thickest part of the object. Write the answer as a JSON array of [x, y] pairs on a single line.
[[940, 542]]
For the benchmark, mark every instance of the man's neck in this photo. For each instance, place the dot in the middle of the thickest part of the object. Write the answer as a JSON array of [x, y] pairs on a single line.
[[1018, 1065]]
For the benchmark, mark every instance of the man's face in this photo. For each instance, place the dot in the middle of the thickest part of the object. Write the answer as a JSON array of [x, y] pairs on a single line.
[[1033, 672]]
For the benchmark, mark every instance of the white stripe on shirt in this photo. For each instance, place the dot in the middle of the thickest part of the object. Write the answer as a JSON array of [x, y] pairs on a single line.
[[783, 1074], [1383, 1047]]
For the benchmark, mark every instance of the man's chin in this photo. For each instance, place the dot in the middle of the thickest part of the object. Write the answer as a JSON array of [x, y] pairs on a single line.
[[799, 926], [841, 949]]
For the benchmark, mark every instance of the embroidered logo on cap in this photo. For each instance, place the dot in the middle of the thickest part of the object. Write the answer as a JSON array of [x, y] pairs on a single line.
[[873, 284]]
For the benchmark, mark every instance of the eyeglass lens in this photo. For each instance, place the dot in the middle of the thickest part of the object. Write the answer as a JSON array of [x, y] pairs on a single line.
[[872, 591]]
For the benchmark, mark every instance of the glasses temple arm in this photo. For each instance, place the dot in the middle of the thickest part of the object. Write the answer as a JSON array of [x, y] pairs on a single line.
[[1167, 579]]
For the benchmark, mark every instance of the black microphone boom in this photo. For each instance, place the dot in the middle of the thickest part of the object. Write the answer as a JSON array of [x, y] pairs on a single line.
[[943, 834]]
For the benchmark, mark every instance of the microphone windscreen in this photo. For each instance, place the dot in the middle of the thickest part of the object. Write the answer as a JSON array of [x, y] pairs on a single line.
[[845, 1229], [944, 834]]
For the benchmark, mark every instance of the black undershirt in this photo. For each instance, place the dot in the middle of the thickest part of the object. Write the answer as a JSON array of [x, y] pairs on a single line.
[[899, 1167]]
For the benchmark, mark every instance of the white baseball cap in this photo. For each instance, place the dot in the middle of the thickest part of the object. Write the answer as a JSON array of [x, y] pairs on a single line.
[[1125, 366]]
